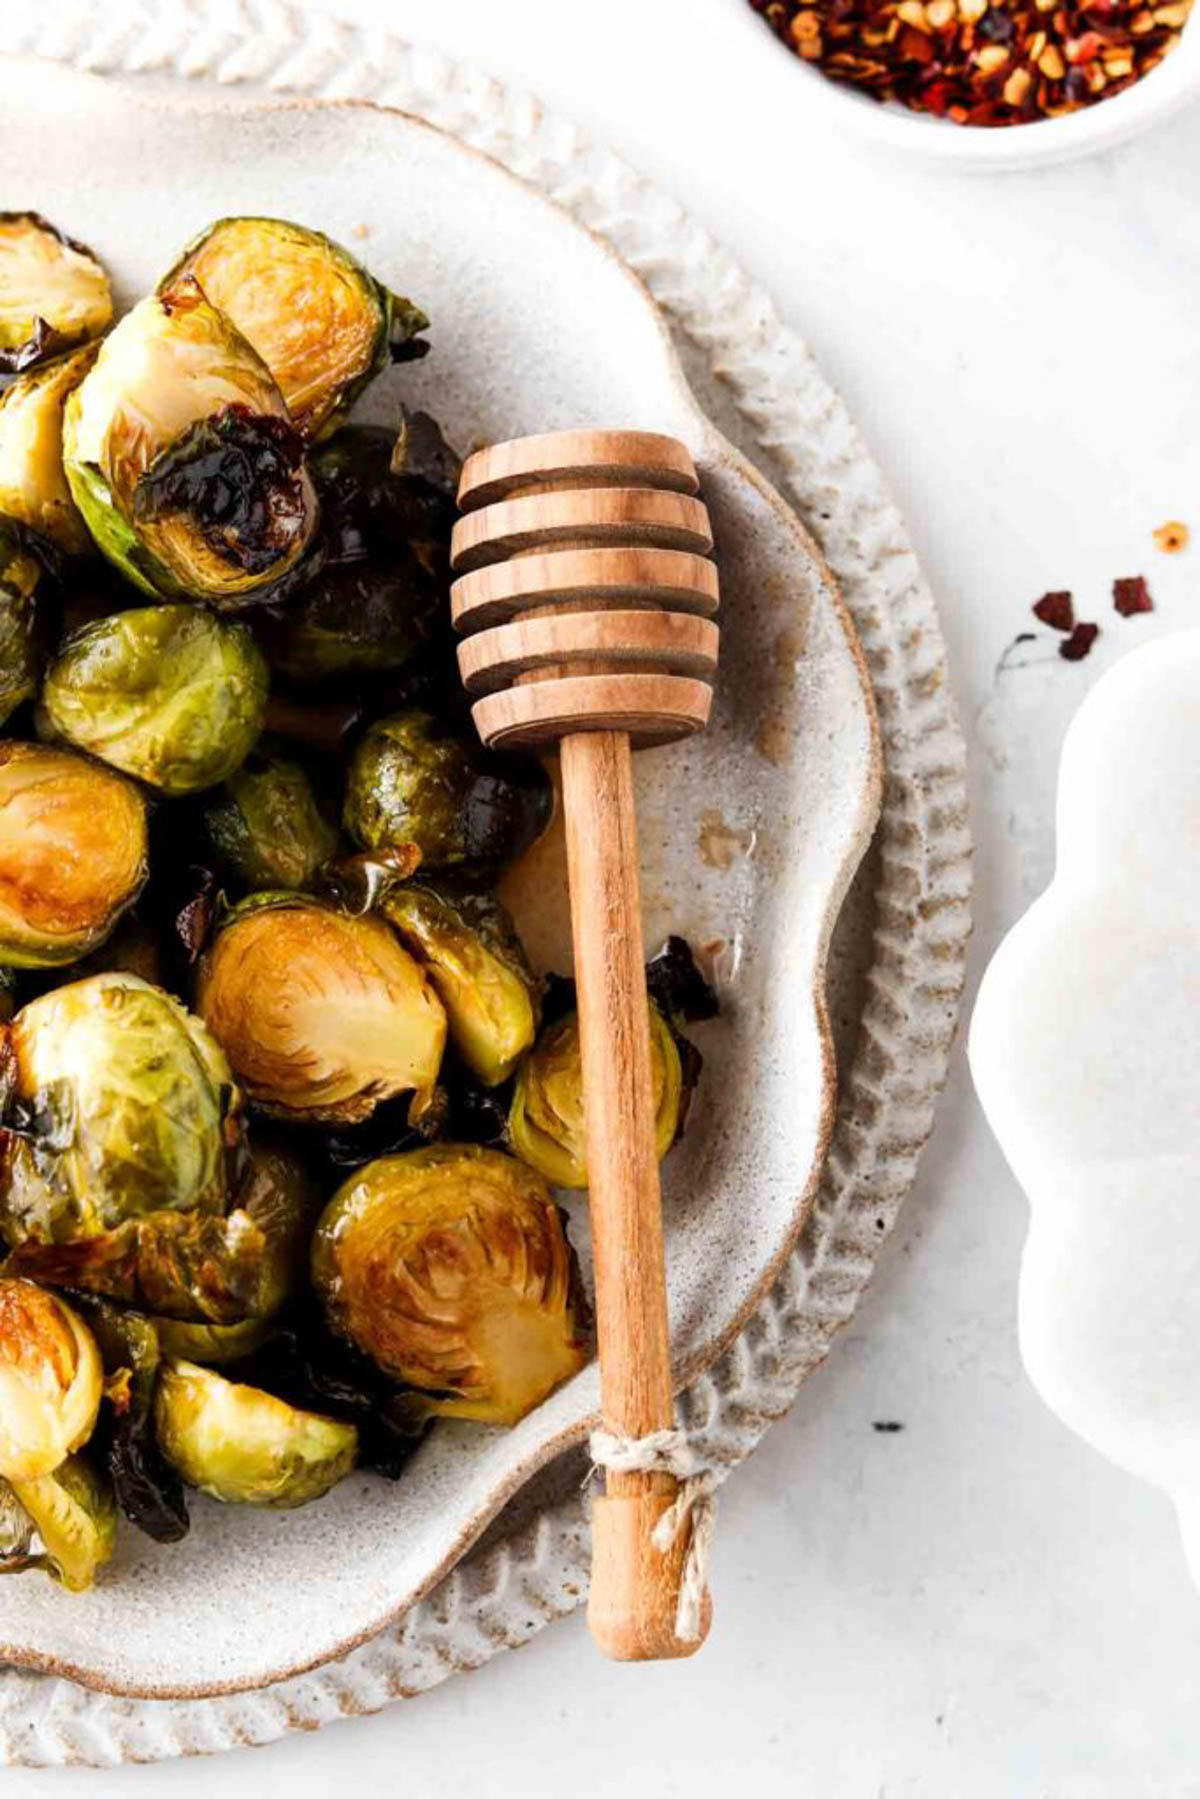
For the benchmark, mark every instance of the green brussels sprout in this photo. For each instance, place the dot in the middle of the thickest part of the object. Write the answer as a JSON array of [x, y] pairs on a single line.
[[53, 292], [266, 826], [449, 1267], [463, 806], [181, 457], [245, 1446], [147, 1489], [34, 485], [25, 580], [478, 968], [546, 1126], [74, 1511], [73, 853], [323, 326], [169, 694], [322, 1015], [213, 1345], [51, 1381], [124, 1105]]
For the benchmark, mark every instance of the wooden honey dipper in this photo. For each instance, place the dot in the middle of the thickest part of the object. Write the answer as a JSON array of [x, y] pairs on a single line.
[[585, 600]]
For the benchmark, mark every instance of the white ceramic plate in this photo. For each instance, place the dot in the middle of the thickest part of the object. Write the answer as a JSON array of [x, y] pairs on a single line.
[[536, 325]]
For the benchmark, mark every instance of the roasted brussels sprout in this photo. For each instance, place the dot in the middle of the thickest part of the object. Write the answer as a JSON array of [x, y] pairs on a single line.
[[51, 1381], [450, 1267], [266, 827], [147, 1488], [477, 965], [34, 487], [214, 1345], [181, 457], [463, 806], [167, 693], [546, 1125], [245, 1446], [121, 1104], [72, 853], [74, 1512], [25, 580], [322, 325], [322, 1015], [53, 292]]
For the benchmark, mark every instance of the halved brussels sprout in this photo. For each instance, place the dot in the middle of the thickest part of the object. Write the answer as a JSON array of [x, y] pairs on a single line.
[[450, 1268], [322, 325], [546, 1125], [322, 1015], [181, 457], [34, 486], [74, 1511], [166, 693], [25, 580], [121, 1105], [73, 853], [409, 781], [266, 826], [476, 963], [53, 292], [51, 1381], [245, 1446]]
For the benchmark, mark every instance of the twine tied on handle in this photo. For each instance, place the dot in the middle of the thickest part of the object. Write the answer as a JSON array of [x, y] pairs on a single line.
[[672, 1452]]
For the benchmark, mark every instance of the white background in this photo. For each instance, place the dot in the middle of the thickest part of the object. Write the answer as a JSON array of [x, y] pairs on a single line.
[[976, 1605]]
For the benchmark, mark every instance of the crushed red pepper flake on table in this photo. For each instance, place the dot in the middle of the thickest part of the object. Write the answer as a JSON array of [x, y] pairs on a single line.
[[981, 62], [1172, 537], [1075, 647], [1131, 596], [1056, 609]]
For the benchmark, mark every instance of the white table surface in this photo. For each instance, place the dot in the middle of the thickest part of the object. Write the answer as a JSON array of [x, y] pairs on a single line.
[[976, 1605]]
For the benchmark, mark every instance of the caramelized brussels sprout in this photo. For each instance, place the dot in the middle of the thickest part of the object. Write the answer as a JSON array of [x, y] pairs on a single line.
[[477, 965], [266, 827], [74, 1512], [25, 579], [463, 806], [147, 1489], [181, 457], [166, 693], [450, 1267], [34, 485], [245, 1446], [121, 1105], [72, 853], [323, 326], [546, 1125], [53, 292], [322, 1015], [51, 1381]]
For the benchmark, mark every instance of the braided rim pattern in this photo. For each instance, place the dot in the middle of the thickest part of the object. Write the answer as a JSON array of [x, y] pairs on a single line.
[[509, 1588]]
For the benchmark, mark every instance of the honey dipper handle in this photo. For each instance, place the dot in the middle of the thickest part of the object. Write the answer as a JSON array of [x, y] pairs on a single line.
[[635, 1587]]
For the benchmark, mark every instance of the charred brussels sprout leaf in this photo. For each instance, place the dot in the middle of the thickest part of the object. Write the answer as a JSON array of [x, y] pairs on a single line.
[[181, 458], [34, 485], [121, 1105], [323, 325], [51, 1380], [72, 854], [476, 963], [245, 1446], [147, 1489], [451, 1269], [676, 985], [463, 806], [74, 1512], [322, 1015], [53, 292], [266, 826], [546, 1124], [27, 579], [166, 693]]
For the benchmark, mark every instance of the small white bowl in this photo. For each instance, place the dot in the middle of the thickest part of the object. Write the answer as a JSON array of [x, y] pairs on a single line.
[[1166, 89]]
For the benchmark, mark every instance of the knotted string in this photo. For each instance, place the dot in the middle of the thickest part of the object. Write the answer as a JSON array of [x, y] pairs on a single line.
[[672, 1452]]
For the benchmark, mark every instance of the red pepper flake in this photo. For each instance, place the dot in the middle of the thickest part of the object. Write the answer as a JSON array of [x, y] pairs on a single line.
[[1131, 596], [981, 62], [1078, 644], [1056, 610]]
